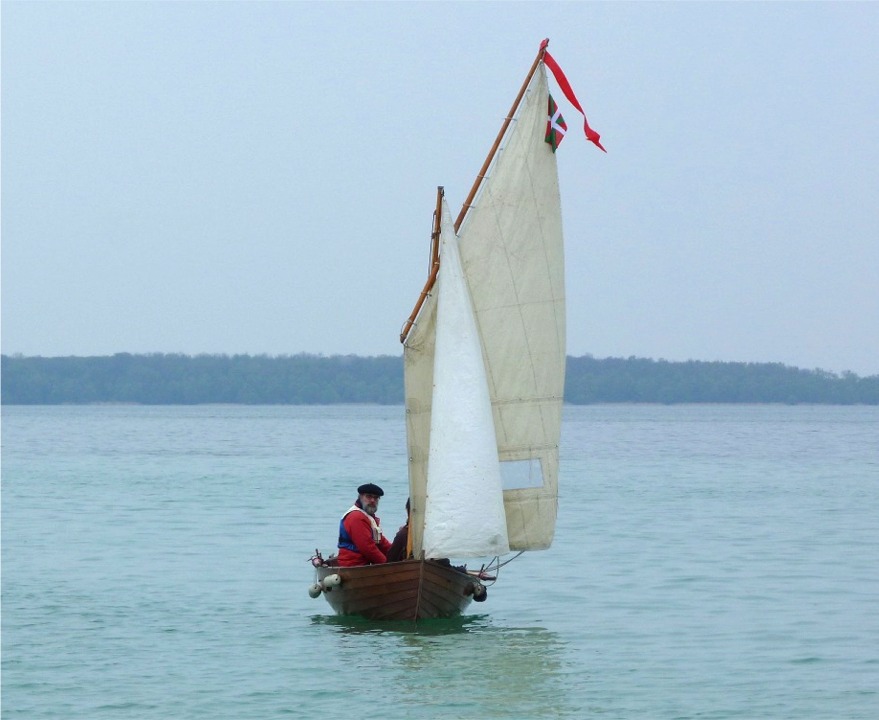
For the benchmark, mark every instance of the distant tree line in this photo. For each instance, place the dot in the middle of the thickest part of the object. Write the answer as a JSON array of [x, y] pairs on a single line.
[[637, 380], [170, 379], [159, 379]]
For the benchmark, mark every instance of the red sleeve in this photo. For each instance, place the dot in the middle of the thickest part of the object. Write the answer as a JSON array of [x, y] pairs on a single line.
[[360, 530]]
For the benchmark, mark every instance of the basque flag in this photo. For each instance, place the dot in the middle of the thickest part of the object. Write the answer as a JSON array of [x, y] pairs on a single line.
[[555, 126]]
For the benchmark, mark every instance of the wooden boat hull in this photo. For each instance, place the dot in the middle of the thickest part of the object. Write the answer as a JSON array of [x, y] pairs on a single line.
[[407, 590]]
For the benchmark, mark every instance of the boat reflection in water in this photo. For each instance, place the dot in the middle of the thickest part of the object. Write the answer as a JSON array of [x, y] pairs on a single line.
[[469, 666]]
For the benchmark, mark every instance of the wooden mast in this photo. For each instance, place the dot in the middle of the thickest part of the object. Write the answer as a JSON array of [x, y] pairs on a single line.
[[434, 268], [434, 263]]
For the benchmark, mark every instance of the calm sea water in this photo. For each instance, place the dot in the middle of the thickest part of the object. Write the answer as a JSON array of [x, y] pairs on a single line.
[[710, 562]]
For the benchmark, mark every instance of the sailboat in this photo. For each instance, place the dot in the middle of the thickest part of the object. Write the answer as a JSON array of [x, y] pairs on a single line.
[[484, 369]]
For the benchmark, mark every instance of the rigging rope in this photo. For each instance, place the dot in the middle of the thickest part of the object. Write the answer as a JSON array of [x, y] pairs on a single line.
[[494, 566]]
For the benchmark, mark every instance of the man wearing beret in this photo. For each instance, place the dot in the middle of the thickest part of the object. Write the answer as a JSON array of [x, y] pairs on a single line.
[[360, 536]]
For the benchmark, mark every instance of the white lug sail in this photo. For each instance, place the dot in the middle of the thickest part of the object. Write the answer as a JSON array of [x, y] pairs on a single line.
[[511, 251], [513, 254]]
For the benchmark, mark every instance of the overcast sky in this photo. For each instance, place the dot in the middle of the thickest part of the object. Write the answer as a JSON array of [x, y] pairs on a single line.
[[260, 177]]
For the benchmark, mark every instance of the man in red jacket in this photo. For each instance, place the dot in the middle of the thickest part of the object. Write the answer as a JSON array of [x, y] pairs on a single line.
[[360, 536]]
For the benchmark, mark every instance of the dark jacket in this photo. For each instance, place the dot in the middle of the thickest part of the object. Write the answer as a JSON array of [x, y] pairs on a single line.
[[398, 547]]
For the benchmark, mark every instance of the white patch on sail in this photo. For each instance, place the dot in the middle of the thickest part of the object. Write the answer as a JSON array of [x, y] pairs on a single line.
[[520, 474], [464, 513]]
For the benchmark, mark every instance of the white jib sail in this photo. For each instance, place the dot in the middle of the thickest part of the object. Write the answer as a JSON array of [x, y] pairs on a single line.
[[464, 509]]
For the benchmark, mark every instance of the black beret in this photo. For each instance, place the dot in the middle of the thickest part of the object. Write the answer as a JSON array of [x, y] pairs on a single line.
[[370, 489]]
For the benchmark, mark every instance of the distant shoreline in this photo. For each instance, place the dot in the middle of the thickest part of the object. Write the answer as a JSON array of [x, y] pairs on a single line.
[[175, 379]]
